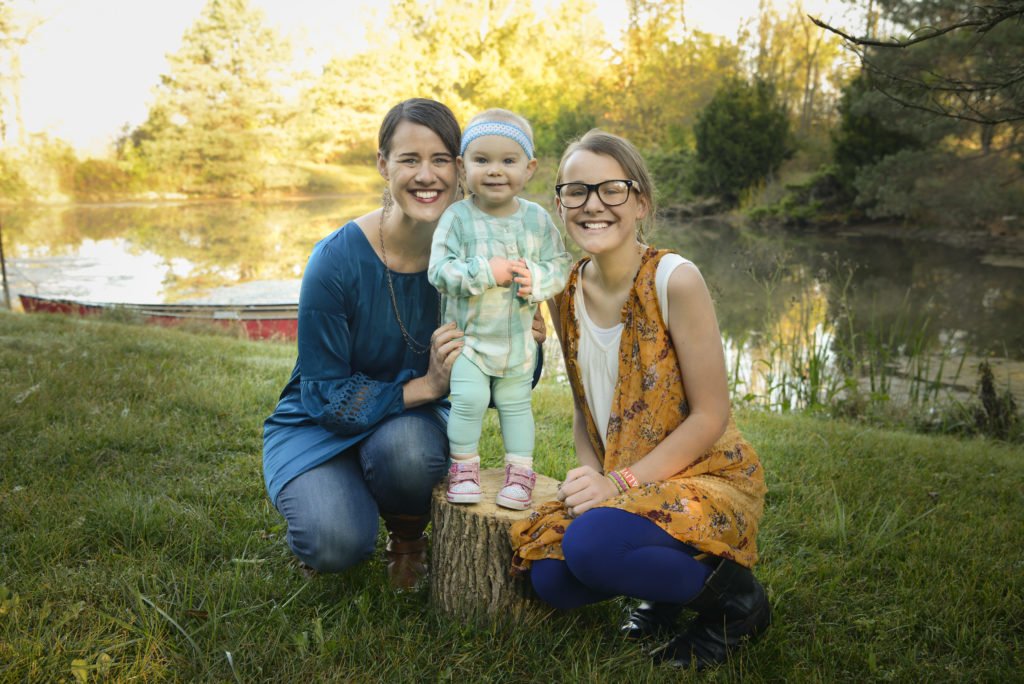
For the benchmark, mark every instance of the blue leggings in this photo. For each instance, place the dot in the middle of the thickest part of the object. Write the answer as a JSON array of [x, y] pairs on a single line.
[[610, 552]]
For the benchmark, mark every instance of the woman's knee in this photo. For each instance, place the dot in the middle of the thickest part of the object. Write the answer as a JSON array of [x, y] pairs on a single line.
[[331, 546], [402, 461]]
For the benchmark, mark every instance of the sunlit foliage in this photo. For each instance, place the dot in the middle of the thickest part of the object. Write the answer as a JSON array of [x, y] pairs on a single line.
[[485, 54], [215, 125]]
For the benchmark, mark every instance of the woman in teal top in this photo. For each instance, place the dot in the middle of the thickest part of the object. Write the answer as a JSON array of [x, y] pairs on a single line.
[[359, 431]]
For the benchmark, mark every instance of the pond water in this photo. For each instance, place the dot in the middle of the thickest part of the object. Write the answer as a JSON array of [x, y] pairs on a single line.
[[787, 304]]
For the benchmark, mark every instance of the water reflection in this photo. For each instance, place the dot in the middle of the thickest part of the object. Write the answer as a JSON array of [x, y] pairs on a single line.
[[797, 311], [190, 249], [788, 306]]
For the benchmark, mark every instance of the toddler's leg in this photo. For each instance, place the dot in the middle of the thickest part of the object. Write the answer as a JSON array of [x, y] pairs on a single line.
[[470, 393], [512, 399]]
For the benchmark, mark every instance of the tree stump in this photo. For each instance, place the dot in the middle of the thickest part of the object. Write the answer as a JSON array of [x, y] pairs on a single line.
[[471, 556]]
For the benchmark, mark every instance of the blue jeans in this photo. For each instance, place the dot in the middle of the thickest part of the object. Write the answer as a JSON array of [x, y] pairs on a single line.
[[333, 510]]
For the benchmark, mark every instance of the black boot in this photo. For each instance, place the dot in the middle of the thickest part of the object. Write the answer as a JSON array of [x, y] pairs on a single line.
[[732, 609], [649, 619], [406, 551]]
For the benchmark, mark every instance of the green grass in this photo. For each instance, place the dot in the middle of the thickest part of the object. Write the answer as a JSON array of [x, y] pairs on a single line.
[[137, 543]]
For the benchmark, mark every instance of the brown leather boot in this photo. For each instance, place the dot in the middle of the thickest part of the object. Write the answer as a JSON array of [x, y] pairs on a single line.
[[406, 551]]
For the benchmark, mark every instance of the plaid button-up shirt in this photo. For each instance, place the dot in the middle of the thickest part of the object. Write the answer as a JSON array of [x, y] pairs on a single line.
[[497, 321]]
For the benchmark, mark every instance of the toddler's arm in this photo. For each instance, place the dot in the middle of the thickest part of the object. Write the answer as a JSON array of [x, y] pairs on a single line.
[[451, 273], [548, 274]]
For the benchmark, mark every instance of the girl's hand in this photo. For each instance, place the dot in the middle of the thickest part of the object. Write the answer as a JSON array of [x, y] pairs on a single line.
[[445, 346], [522, 278], [502, 270], [583, 489]]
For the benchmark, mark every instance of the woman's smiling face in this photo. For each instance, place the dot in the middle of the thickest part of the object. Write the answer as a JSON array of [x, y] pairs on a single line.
[[420, 171], [594, 226]]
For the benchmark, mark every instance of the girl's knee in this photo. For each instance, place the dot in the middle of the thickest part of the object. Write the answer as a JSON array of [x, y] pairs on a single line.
[[549, 579], [470, 396], [585, 544]]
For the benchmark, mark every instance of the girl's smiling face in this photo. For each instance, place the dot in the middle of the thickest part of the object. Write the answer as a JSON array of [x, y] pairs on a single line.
[[594, 226], [497, 169]]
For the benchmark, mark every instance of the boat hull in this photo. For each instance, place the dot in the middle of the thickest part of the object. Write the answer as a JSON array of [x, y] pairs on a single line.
[[256, 321]]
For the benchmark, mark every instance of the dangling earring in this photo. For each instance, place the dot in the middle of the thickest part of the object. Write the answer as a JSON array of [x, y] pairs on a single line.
[[387, 201]]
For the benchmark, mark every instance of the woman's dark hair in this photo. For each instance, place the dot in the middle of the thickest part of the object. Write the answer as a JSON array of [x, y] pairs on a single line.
[[430, 113]]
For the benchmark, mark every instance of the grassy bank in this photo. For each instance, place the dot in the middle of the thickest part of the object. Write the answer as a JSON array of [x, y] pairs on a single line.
[[136, 541]]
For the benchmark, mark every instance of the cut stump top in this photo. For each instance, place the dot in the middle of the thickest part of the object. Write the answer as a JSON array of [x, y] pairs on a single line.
[[491, 482]]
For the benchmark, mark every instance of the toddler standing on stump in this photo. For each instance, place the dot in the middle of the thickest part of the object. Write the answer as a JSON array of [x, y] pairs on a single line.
[[494, 258]]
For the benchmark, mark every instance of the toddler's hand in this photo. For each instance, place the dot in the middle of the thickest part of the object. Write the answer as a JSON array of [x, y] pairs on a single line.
[[502, 270], [522, 278]]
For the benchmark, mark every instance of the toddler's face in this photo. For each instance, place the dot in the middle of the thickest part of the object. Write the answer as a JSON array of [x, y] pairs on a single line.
[[496, 169]]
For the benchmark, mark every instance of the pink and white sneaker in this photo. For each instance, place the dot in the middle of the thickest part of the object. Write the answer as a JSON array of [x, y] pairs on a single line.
[[463, 482], [517, 493]]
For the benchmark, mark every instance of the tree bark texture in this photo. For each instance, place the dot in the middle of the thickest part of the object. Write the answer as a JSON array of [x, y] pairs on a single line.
[[471, 555]]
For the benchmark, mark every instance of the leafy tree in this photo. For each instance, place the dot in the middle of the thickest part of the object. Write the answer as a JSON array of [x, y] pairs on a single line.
[[865, 134], [215, 125], [486, 54], [663, 74], [806, 65], [932, 130], [16, 28], [742, 137], [956, 58], [936, 188]]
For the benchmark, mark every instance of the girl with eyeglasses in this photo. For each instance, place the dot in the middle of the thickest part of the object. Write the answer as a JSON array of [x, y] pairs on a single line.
[[665, 504]]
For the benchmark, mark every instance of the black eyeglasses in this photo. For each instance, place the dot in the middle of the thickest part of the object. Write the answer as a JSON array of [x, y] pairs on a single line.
[[611, 192]]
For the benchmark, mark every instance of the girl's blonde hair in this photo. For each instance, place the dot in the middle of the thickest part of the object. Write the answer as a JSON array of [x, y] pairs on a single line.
[[628, 157]]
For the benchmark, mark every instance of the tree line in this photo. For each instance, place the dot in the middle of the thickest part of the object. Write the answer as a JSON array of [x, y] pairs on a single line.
[[853, 126]]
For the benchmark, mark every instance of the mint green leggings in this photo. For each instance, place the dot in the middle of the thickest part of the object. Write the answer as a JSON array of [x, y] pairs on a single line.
[[471, 391]]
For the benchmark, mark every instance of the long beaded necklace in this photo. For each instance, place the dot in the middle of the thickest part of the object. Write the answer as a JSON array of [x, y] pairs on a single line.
[[414, 346]]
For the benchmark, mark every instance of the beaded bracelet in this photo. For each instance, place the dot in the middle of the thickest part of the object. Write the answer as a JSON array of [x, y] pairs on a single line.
[[629, 477], [622, 479], [617, 480]]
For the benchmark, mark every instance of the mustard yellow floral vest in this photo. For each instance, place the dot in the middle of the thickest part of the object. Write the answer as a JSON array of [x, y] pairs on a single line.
[[714, 504]]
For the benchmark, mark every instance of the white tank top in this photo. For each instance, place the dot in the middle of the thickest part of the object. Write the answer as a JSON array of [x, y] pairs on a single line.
[[598, 353]]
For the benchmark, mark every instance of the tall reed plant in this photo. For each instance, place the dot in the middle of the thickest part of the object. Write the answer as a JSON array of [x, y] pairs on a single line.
[[814, 352]]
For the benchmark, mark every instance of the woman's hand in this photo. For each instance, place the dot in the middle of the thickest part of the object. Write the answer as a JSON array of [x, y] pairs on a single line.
[[539, 328], [445, 345], [583, 489]]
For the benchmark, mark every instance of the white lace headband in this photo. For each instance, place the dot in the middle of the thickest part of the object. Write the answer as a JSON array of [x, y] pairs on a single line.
[[478, 130]]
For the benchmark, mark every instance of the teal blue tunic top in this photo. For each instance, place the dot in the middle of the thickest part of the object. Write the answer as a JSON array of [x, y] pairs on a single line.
[[352, 360]]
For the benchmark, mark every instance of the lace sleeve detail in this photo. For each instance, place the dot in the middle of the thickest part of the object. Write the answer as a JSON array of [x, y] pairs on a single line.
[[352, 403], [355, 404]]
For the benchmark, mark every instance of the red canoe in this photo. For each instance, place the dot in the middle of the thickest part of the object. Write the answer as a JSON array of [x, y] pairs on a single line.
[[259, 321]]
